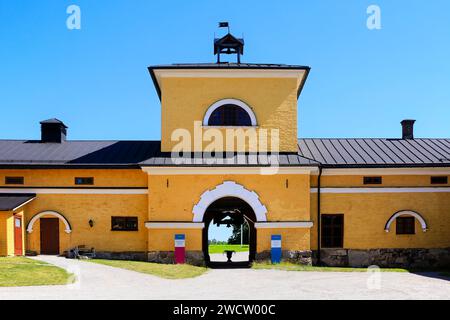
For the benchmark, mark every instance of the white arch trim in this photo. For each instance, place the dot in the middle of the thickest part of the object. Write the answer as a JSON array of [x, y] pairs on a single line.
[[49, 213], [406, 213], [229, 189], [222, 102]]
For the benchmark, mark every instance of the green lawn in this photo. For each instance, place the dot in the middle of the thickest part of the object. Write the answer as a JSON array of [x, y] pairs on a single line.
[[167, 271], [295, 267], [19, 271], [445, 274], [220, 248]]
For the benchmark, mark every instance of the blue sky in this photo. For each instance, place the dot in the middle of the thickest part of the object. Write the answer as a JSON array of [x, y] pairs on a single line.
[[362, 84]]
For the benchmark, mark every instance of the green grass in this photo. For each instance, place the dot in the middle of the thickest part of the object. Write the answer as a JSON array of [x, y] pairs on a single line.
[[19, 271], [295, 267], [445, 274], [167, 271], [220, 248]]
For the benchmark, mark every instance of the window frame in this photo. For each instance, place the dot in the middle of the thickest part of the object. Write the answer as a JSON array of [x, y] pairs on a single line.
[[404, 229], [86, 183], [20, 179], [445, 179], [372, 180], [230, 113], [126, 227], [229, 101], [323, 241]]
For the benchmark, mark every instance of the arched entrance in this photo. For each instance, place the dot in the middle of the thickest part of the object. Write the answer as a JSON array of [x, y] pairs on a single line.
[[237, 200], [49, 235], [230, 211]]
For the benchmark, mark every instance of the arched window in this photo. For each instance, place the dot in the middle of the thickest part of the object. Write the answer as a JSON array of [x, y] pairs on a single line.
[[229, 115], [406, 213], [229, 112]]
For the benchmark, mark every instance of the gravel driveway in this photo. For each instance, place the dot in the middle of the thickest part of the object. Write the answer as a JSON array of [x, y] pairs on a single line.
[[97, 281]]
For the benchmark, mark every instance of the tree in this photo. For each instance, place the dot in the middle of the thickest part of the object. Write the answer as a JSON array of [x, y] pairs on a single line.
[[236, 235]]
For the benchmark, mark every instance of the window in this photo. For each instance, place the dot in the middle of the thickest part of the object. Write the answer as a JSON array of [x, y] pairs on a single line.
[[14, 180], [84, 180], [372, 180], [439, 180], [332, 231], [124, 223], [229, 115], [405, 225]]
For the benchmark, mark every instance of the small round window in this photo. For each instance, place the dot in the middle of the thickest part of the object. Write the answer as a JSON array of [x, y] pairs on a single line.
[[229, 115]]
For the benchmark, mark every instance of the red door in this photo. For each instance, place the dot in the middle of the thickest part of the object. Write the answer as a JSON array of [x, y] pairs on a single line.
[[49, 235], [18, 248]]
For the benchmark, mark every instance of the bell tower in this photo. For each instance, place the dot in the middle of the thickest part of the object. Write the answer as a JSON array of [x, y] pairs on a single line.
[[228, 44]]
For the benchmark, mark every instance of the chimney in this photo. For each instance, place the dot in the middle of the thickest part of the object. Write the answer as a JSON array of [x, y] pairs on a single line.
[[408, 129], [53, 130]]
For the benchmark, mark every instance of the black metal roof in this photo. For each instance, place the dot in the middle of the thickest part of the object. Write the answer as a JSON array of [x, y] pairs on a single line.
[[377, 152], [10, 201], [77, 153], [327, 152], [229, 65], [230, 160]]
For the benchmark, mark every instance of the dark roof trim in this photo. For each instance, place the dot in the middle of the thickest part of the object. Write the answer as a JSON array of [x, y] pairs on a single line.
[[53, 121], [325, 166], [379, 166], [229, 165], [155, 81], [226, 66], [302, 84], [69, 166], [13, 201], [72, 188]]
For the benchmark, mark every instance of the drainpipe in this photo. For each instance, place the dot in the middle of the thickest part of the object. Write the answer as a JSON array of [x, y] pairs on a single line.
[[319, 262]]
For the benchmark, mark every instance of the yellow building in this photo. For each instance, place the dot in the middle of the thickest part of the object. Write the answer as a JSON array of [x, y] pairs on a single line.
[[229, 152]]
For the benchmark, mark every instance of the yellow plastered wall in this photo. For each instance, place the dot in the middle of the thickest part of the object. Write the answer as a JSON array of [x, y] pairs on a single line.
[[388, 181], [291, 239], [66, 177], [366, 214], [7, 245], [163, 239], [274, 102], [10, 234], [175, 202], [6, 237], [79, 209]]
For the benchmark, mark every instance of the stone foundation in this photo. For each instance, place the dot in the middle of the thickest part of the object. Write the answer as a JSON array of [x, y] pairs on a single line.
[[385, 258], [292, 256], [194, 258], [129, 255]]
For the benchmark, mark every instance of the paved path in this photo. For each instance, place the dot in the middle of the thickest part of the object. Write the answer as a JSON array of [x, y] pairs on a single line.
[[221, 257], [102, 282]]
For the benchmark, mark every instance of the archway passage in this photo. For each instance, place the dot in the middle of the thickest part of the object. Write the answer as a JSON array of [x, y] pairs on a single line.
[[230, 211]]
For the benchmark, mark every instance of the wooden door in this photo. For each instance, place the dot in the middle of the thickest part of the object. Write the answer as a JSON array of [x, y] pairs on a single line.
[[49, 235], [18, 248]]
